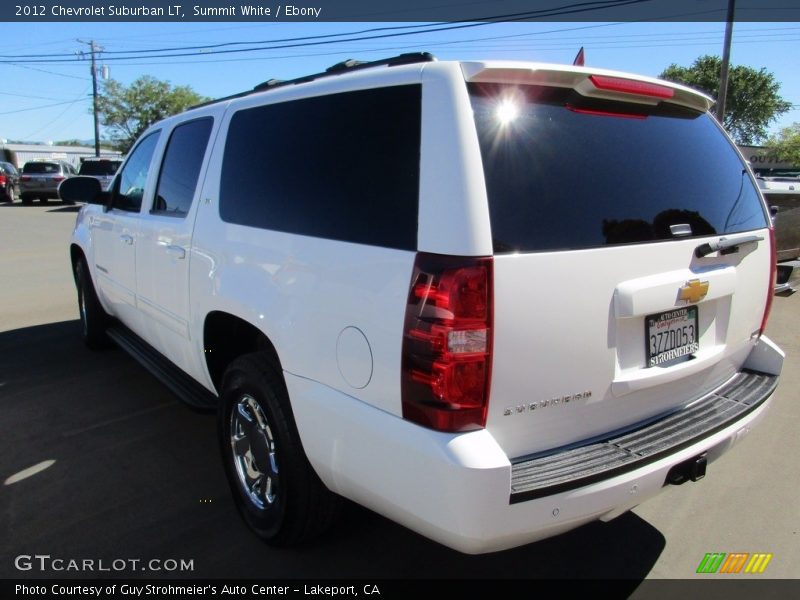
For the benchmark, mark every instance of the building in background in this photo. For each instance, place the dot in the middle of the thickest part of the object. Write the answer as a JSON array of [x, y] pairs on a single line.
[[765, 163], [19, 154]]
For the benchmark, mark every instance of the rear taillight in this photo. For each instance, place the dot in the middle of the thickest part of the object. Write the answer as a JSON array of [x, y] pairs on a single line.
[[25, 178], [773, 269], [2, 179], [631, 86], [447, 343]]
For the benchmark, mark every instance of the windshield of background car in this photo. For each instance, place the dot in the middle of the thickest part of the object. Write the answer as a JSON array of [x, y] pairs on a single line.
[[566, 172], [40, 167], [99, 167]]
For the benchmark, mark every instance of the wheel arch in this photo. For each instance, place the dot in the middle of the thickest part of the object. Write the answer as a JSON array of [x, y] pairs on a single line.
[[226, 337], [76, 253]]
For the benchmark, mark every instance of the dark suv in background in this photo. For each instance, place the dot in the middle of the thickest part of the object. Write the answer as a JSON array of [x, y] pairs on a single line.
[[41, 178], [102, 169]]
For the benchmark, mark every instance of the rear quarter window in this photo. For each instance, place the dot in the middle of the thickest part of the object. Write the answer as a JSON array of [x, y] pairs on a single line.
[[563, 172], [343, 166]]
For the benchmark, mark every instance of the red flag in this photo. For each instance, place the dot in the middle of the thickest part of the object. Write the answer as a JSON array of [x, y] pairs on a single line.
[[579, 58]]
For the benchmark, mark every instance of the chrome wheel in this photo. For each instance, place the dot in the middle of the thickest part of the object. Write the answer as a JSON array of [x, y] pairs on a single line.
[[254, 455], [274, 486]]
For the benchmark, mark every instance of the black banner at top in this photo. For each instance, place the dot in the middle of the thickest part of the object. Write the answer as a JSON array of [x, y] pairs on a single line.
[[395, 10]]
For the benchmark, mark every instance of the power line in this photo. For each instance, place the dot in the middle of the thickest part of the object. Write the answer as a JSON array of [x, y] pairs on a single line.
[[569, 9], [471, 41], [469, 44], [61, 114], [29, 96], [11, 112], [13, 64], [204, 48]]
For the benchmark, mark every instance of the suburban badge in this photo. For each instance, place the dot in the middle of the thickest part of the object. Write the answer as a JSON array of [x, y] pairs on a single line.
[[521, 408]]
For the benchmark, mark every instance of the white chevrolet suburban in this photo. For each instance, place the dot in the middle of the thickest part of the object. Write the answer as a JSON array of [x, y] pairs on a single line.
[[491, 301]]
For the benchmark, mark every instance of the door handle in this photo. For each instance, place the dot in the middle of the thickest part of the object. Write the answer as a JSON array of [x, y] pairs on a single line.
[[176, 251], [128, 239]]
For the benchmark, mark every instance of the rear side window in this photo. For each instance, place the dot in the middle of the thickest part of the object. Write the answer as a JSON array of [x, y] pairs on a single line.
[[565, 172], [343, 167], [40, 167], [181, 167]]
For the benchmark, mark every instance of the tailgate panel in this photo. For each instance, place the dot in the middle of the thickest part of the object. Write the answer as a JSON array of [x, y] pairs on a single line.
[[570, 362]]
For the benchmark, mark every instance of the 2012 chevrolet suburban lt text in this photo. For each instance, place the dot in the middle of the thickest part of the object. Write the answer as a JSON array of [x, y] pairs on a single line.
[[434, 288]]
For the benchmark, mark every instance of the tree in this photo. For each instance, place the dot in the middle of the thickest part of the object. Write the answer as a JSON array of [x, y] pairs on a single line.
[[752, 103], [73, 142], [127, 111], [787, 144]]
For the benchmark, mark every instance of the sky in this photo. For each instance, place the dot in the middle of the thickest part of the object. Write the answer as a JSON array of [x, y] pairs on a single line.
[[51, 101]]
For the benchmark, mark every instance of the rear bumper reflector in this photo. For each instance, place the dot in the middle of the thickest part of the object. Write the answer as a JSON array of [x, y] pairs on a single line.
[[578, 466]]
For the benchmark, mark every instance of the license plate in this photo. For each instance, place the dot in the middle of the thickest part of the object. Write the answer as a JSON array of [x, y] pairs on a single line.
[[670, 335]]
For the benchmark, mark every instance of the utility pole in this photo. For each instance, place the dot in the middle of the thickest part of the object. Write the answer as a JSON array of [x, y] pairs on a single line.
[[94, 100], [94, 49], [726, 59]]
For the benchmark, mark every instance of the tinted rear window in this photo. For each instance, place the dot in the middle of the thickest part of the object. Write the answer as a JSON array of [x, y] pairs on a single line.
[[563, 173], [99, 167], [343, 167], [40, 167]]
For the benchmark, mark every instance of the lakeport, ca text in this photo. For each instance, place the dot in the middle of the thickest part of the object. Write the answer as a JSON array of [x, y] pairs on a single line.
[[278, 11], [136, 591]]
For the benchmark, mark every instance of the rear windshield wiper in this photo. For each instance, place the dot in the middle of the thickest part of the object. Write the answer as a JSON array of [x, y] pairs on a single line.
[[725, 246]]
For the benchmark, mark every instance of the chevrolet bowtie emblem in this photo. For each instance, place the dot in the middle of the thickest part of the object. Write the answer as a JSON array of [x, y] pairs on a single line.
[[694, 290]]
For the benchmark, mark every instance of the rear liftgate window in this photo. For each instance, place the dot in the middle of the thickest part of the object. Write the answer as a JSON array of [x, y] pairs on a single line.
[[566, 172], [342, 167]]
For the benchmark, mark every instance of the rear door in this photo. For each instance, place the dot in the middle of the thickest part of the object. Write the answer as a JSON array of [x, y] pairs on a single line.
[[611, 305], [163, 250]]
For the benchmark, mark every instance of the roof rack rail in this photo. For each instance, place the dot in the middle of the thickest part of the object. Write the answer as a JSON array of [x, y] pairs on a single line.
[[339, 68], [351, 65]]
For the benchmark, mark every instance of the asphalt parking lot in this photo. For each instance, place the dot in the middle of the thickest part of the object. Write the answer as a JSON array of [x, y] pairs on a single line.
[[136, 474]]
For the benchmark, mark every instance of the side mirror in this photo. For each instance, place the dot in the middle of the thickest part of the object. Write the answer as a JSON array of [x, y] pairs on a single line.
[[773, 210], [82, 189]]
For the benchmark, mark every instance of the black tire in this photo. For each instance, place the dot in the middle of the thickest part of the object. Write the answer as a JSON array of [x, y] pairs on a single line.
[[43, 199], [10, 194], [26, 199], [94, 319], [274, 487]]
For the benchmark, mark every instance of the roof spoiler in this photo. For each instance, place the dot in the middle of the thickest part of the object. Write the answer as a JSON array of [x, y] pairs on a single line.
[[592, 83]]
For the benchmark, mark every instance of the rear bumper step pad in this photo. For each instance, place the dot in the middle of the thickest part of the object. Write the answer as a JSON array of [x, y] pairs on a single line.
[[579, 466]]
